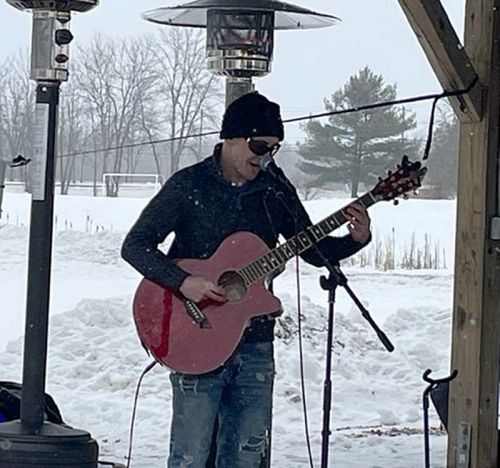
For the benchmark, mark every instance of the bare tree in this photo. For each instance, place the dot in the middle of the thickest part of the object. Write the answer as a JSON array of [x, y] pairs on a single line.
[[187, 91], [136, 90], [149, 116], [113, 77], [16, 112], [73, 133]]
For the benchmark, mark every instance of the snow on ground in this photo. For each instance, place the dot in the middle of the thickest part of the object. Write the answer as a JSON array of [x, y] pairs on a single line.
[[95, 358]]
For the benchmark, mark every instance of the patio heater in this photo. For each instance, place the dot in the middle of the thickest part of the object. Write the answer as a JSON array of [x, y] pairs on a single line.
[[32, 441], [240, 34]]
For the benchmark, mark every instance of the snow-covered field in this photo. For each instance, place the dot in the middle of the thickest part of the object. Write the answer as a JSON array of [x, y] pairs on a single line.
[[95, 358]]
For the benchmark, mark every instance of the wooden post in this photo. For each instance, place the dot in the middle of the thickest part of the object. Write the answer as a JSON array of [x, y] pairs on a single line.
[[473, 403]]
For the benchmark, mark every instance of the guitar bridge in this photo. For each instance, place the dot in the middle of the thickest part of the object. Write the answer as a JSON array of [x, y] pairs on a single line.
[[196, 314]]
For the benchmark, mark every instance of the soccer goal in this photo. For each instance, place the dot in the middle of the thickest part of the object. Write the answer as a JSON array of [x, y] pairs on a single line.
[[132, 185]]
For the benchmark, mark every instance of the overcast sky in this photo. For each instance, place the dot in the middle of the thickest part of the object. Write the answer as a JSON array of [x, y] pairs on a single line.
[[308, 65]]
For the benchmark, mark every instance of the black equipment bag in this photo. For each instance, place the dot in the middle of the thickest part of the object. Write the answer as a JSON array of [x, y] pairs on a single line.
[[10, 404]]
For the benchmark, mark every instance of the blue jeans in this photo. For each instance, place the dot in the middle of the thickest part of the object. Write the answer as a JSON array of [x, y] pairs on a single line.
[[239, 395]]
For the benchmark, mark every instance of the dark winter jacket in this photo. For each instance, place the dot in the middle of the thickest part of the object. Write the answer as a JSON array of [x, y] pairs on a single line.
[[201, 208]]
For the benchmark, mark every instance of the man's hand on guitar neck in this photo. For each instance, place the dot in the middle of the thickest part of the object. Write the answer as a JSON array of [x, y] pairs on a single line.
[[359, 225], [196, 289]]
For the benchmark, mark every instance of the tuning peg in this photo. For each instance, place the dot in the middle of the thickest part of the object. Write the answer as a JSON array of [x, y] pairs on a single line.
[[396, 202], [389, 173], [416, 192], [406, 196]]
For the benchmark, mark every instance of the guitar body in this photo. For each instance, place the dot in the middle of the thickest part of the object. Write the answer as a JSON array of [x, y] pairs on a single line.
[[176, 338], [170, 334]]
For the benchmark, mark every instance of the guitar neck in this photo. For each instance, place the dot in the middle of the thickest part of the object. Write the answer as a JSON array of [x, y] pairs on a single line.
[[277, 257]]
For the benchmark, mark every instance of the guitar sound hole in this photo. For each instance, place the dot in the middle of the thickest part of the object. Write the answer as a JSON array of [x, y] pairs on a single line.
[[233, 285]]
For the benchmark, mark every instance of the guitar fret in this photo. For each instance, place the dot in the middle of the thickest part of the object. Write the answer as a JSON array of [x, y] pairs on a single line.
[[317, 232], [372, 199], [289, 252], [281, 255], [343, 218], [270, 259], [259, 273], [367, 200], [254, 271], [245, 275], [263, 265], [275, 261], [323, 228], [306, 242], [270, 262], [259, 269], [332, 223], [311, 232]]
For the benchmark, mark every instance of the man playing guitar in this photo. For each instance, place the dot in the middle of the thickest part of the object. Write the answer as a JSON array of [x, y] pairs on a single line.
[[202, 205]]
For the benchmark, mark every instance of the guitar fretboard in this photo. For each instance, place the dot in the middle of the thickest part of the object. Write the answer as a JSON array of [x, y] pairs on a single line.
[[277, 257]]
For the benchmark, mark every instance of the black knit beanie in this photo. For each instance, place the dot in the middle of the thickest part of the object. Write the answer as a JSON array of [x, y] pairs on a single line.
[[252, 115]]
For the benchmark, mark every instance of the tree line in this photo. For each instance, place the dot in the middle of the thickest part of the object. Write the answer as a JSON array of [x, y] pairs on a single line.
[[120, 92], [127, 91]]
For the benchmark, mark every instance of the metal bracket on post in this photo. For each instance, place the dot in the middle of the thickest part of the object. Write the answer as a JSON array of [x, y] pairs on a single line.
[[237, 87], [495, 228], [463, 444]]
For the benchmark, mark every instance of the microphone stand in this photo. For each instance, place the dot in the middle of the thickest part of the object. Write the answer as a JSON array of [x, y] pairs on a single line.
[[336, 278]]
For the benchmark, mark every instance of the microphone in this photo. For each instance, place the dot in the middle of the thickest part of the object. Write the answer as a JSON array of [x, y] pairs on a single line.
[[265, 161], [268, 165]]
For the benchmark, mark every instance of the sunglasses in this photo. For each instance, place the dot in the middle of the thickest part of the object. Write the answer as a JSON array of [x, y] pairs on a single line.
[[260, 148]]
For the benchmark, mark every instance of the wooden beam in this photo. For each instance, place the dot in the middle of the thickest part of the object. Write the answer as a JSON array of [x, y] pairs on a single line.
[[476, 309], [446, 55]]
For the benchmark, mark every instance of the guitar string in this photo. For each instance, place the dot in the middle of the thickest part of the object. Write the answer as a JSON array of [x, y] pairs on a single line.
[[246, 272]]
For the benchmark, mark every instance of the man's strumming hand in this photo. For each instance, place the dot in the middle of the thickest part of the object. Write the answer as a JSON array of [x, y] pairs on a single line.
[[196, 288]]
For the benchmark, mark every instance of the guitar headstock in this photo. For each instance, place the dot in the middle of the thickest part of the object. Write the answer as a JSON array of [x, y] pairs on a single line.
[[406, 178]]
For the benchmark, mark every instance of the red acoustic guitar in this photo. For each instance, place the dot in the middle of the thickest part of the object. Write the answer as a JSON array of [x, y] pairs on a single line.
[[198, 338]]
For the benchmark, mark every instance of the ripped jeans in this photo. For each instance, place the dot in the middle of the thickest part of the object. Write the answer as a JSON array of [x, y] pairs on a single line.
[[239, 395]]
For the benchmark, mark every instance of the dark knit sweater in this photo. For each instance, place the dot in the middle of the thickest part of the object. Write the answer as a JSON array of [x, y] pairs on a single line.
[[202, 209]]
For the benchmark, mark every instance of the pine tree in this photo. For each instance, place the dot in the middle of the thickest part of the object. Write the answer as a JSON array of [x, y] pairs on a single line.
[[358, 147]]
